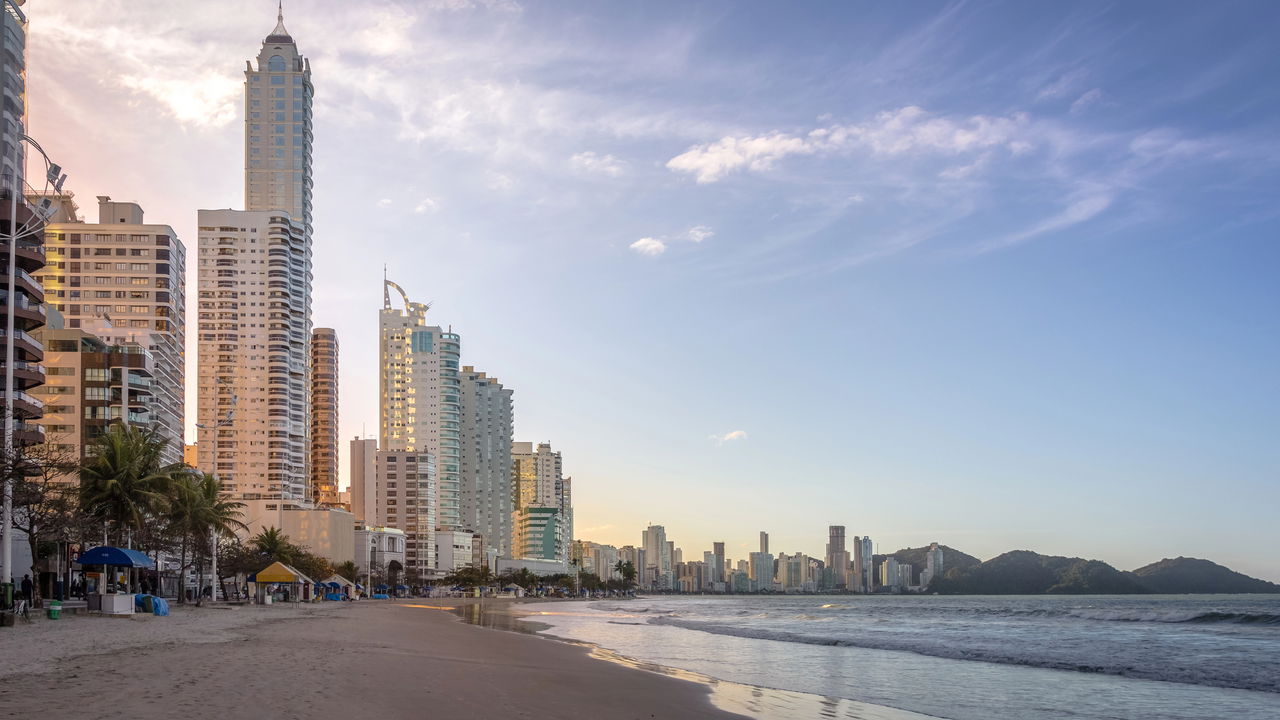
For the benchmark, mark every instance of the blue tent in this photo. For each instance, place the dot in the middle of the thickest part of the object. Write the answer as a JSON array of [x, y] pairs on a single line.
[[381, 587], [118, 557], [334, 585]]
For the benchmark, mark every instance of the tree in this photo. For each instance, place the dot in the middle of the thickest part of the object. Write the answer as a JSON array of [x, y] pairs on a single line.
[[348, 570], [45, 504], [470, 576], [125, 484], [627, 570], [273, 545]]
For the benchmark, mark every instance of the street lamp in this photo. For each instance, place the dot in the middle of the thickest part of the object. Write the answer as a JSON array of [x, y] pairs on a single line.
[[40, 213], [213, 533]]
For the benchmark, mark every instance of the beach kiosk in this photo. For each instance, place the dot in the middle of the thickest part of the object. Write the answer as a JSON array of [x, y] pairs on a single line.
[[340, 588], [107, 600], [280, 576]]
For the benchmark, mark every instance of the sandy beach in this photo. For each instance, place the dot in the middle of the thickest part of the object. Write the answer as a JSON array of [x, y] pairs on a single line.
[[395, 660]]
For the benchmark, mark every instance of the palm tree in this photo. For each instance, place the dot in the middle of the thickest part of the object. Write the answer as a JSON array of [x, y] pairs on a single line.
[[348, 570], [273, 545], [124, 483], [216, 514]]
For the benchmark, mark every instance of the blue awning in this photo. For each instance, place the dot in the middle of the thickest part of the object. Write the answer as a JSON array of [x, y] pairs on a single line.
[[333, 584], [119, 557]]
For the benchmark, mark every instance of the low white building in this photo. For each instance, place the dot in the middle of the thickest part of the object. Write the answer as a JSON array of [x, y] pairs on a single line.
[[380, 546]]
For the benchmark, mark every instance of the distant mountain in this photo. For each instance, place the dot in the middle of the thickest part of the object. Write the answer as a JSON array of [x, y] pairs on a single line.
[[1022, 572], [915, 557], [1192, 575]]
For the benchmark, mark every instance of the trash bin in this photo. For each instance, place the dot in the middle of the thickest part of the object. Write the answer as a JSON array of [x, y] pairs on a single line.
[[148, 604], [54, 610]]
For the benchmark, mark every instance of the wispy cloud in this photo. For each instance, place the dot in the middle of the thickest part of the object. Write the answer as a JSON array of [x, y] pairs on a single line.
[[649, 246], [384, 203], [426, 205], [1080, 210], [730, 436], [590, 162], [903, 131], [698, 233], [1085, 101]]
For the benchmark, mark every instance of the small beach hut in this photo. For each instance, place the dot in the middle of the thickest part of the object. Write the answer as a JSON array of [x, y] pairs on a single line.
[[107, 600], [340, 586], [278, 574]]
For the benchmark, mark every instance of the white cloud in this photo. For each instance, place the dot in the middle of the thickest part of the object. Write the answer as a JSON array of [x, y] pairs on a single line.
[[498, 181], [384, 203], [426, 205], [730, 436], [1088, 206], [590, 162], [649, 246], [1082, 103], [698, 233], [908, 130], [1062, 85]]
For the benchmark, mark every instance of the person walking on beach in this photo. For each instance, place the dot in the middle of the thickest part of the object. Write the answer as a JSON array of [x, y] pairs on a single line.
[[27, 588]]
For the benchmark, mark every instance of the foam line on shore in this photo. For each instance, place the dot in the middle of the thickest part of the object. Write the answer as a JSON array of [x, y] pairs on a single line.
[[753, 701]]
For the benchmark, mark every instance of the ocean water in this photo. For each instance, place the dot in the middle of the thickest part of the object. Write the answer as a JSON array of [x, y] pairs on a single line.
[[964, 658]]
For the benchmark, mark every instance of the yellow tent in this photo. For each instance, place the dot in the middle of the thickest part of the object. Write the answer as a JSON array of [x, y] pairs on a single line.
[[278, 572]]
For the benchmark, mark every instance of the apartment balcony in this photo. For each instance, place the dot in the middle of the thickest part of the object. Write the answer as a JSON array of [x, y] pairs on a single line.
[[25, 347], [25, 406]]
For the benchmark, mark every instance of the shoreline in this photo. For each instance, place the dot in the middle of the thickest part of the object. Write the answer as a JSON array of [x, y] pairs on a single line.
[[368, 657], [740, 699]]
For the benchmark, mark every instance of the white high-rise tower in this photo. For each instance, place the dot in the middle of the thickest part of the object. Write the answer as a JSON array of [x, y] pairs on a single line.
[[255, 293]]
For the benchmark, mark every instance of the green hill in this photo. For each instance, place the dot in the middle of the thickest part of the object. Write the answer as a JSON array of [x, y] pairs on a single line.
[[1192, 575], [1022, 572], [915, 557]]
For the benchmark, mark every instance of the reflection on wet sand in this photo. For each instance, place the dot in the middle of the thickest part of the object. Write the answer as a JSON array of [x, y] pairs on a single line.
[[749, 700]]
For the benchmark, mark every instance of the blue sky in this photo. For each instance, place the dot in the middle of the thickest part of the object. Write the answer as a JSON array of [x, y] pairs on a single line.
[[1000, 275]]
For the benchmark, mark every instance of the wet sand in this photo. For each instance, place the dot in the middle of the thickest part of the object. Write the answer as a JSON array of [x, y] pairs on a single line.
[[407, 659]]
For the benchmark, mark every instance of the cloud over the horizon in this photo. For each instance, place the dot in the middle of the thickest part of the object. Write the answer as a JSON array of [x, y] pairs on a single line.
[[730, 436]]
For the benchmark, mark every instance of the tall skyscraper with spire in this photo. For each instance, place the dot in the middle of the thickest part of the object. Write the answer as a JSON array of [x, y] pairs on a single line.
[[255, 294], [278, 128]]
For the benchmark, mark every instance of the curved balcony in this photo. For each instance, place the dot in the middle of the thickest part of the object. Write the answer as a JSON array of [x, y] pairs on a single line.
[[26, 375], [25, 406], [23, 281], [25, 347]]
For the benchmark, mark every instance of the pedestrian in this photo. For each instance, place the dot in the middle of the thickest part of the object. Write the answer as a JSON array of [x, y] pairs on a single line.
[[27, 588]]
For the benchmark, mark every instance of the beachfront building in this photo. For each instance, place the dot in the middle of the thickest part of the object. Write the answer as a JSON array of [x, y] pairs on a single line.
[[692, 576], [866, 564], [932, 564], [254, 355], [324, 417], [485, 462], [382, 549], [406, 494], [91, 384], [362, 492], [658, 572], [597, 558], [254, 392], [420, 411], [456, 549], [543, 496], [889, 575], [837, 560], [124, 281], [190, 454], [760, 570], [327, 532], [635, 556]]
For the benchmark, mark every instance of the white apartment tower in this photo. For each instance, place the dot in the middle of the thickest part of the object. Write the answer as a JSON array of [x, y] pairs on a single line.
[[421, 407], [255, 293], [486, 461]]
